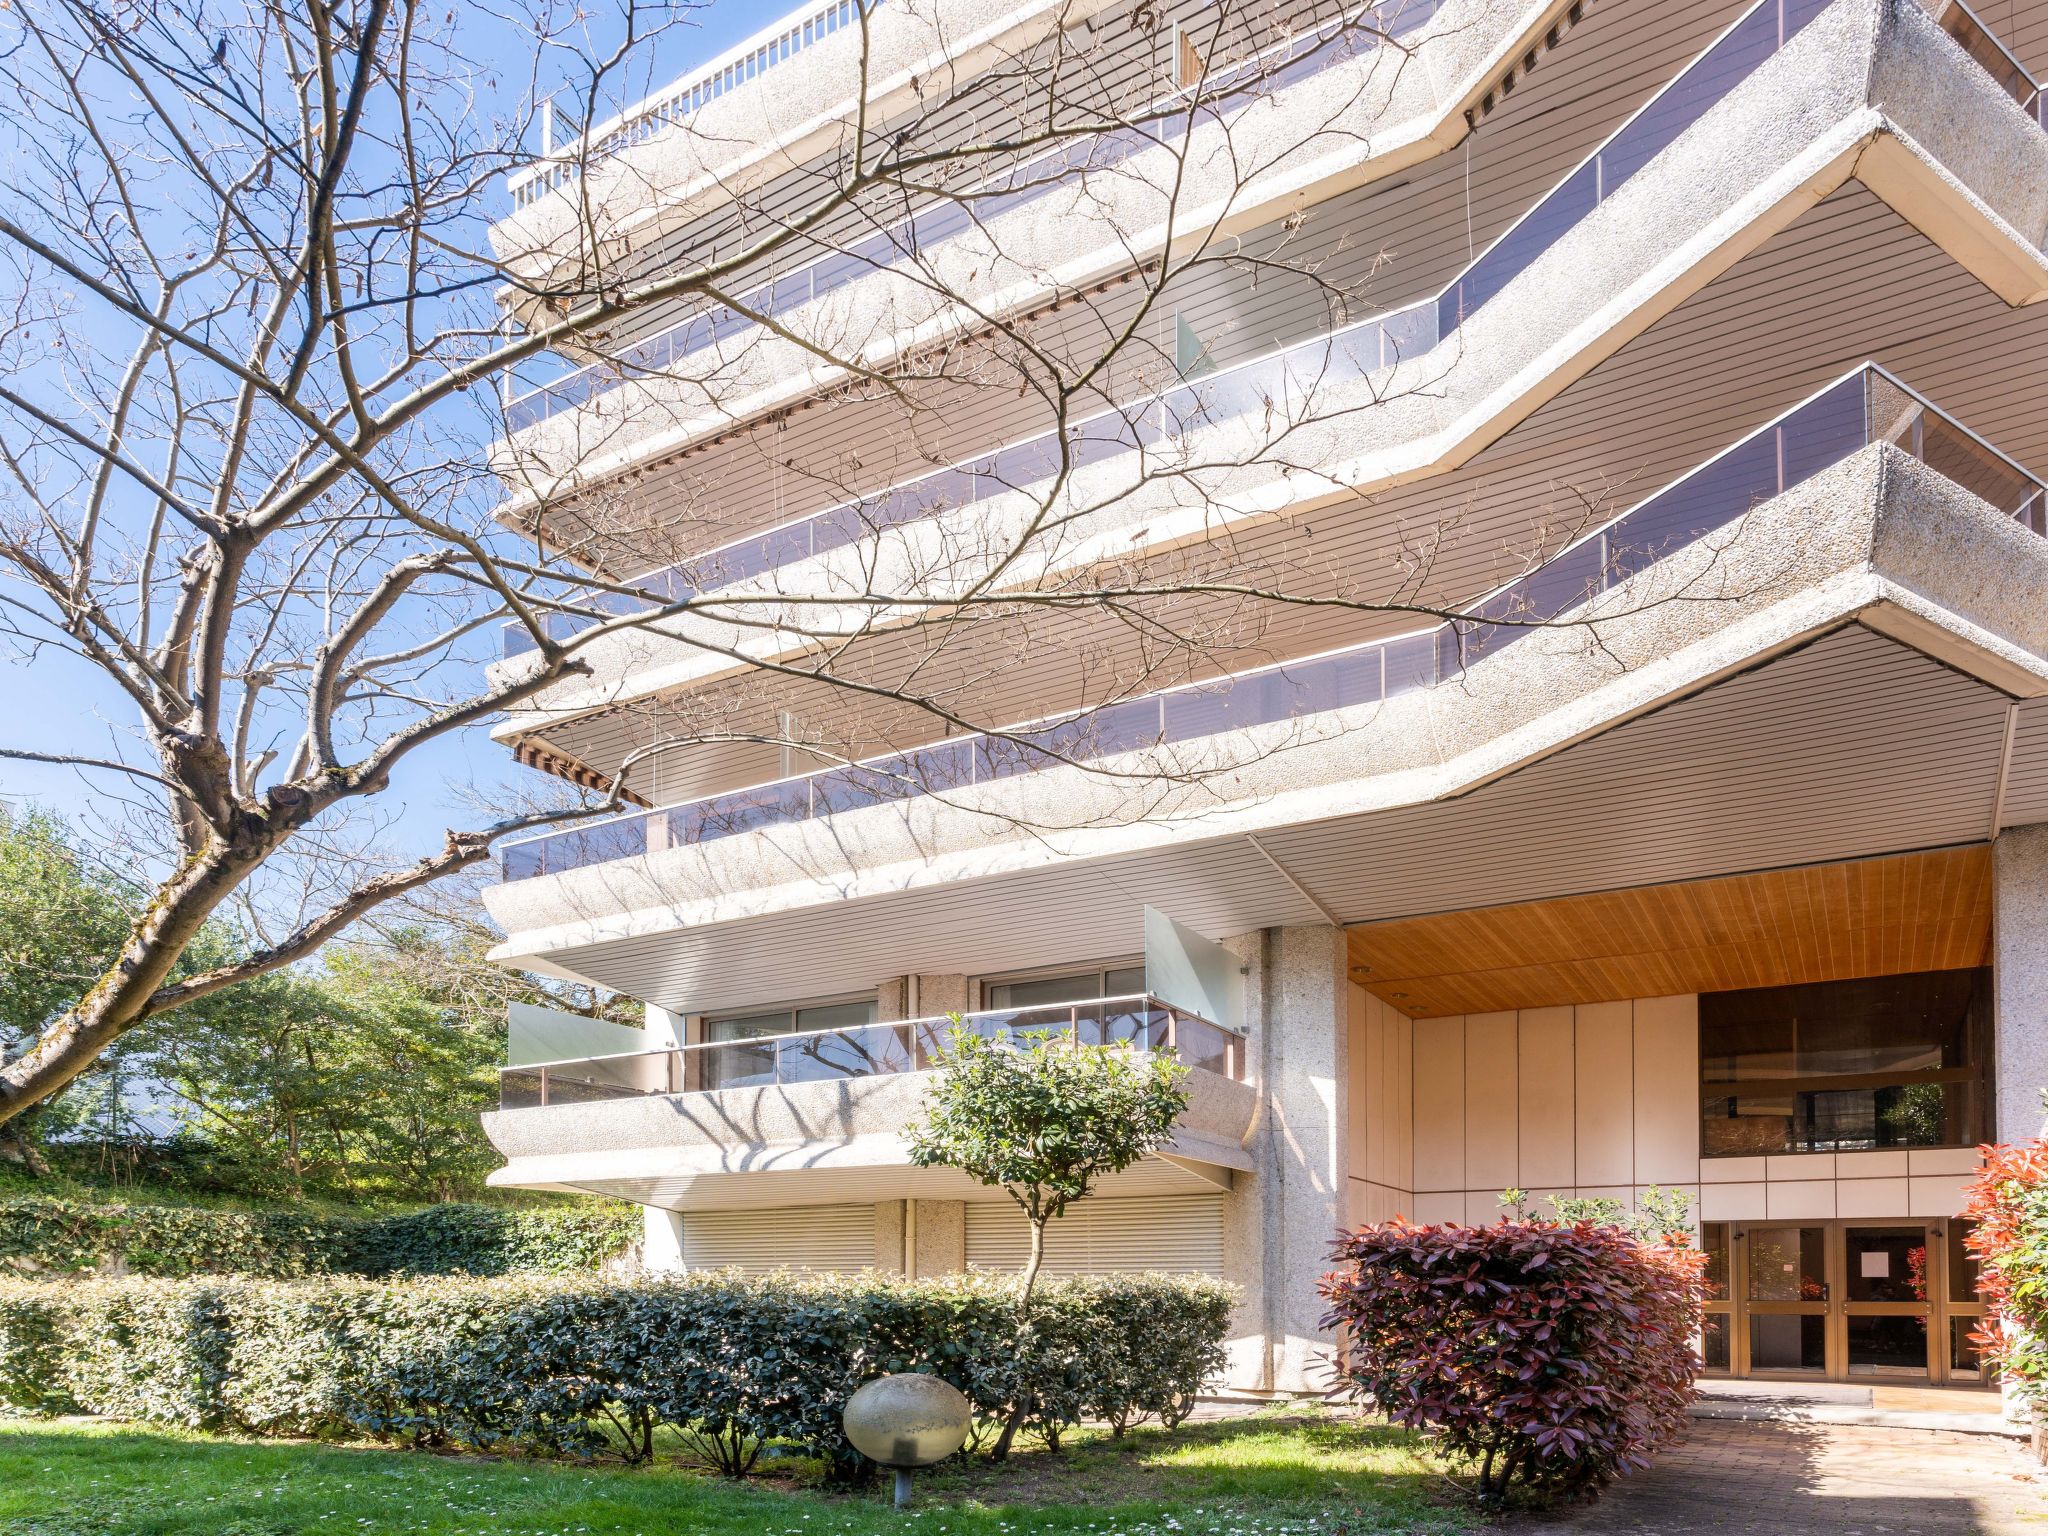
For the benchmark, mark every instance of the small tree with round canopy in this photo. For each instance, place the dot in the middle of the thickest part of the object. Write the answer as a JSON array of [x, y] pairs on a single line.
[[1043, 1118]]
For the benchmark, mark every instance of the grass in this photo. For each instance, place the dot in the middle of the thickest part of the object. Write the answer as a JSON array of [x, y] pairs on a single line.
[[1261, 1476]]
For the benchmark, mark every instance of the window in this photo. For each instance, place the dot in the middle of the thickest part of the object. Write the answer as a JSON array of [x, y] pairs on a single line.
[[745, 1051], [1066, 987], [1846, 1066]]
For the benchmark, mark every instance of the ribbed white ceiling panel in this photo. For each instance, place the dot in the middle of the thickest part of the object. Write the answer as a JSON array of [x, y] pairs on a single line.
[[2026, 784], [1854, 745]]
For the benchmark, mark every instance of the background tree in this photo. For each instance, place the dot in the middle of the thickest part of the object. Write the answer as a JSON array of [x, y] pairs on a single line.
[[61, 915], [356, 1074], [1043, 1118]]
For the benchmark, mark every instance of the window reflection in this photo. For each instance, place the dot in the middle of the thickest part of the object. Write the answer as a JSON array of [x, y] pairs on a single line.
[[1845, 1066], [744, 1049]]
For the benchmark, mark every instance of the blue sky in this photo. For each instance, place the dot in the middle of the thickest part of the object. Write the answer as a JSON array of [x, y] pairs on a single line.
[[58, 705]]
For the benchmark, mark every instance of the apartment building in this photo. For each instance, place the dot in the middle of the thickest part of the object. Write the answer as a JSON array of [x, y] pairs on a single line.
[[1644, 780]]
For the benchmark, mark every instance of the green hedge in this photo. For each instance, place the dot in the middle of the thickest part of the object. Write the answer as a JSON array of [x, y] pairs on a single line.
[[583, 1367], [45, 1236]]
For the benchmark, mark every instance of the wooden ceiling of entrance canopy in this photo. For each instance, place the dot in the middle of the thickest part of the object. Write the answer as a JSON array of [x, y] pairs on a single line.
[[1867, 917]]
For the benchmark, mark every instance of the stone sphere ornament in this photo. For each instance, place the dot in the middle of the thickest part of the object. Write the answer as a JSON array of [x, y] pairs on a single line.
[[908, 1421]]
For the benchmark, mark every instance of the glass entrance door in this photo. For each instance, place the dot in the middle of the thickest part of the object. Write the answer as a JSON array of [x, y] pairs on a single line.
[[1887, 1302], [1786, 1299], [1862, 1301]]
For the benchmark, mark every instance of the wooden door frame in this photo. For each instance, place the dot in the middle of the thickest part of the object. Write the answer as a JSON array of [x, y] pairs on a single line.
[[1737, 1309]]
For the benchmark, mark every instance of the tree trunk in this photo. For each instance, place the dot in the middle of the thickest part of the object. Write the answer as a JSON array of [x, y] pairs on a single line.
[[1022, 1410], [120, 999], [1031, 1266]]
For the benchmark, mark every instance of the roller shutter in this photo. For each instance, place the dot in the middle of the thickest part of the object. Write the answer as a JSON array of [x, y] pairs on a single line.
[[815, 1237], [1182, 1234]]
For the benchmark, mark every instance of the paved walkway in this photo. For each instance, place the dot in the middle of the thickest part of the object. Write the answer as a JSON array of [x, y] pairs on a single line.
[[1734, 1477]]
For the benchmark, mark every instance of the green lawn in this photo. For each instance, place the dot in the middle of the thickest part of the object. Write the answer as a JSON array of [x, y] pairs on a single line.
[[1267, 1476]]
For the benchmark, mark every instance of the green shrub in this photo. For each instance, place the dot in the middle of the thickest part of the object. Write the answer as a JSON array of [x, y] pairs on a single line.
[[69, 1237], [31, 1349], [146, 1349], [583, 1367]]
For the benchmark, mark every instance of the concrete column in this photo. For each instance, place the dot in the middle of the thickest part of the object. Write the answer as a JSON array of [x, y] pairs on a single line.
[[2019, 978], [661, 1245], [891, 1000], [937, 994], [890, 1254], [937, 1238], [921, 997], [1281, 1220]]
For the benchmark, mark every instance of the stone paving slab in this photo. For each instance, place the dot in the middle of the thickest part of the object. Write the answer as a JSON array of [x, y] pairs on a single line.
[[1736, 1477]]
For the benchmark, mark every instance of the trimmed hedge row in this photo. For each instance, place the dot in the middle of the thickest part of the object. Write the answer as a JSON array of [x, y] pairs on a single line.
[[586, 1368], [44, 1236]]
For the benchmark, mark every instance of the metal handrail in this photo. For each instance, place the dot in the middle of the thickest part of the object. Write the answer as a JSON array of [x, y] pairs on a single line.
[[781, 39], [915, 1035]]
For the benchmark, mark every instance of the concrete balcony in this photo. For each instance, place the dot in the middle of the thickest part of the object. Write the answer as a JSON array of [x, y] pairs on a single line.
[[1861, 507], [776, 103], [1766, 123], [1316, 116], [797, 1119]]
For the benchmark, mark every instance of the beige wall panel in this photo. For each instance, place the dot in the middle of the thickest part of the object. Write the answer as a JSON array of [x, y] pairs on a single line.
[[1439, 1207], [1603, 1046], [1732, 1170], [1935, 1196], [1801, 1165], [1492, 1139], [1800, 1200], [1546, 1123], [1361, 1082], [1871, 1197], [1732, 1202], [1940, 1160], [1667, 1093], [1482, 1206], [1439, 1106], [1872, 1165], [1402, 1031]]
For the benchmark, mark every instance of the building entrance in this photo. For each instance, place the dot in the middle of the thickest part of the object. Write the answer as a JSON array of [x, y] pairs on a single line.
[[1858, 1300]]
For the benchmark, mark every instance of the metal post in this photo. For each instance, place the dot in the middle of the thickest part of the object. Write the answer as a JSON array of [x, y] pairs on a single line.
[[543, 1087], [903, 1488]]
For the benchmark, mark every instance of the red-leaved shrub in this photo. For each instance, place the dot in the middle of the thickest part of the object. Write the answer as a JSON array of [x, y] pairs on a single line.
[[2008, 1201], [1558, 1355]]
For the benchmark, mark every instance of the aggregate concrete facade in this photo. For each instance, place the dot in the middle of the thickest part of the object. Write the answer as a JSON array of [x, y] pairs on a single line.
[[1872, 90], [1877, 539], [2020, 979], [1355, 121]]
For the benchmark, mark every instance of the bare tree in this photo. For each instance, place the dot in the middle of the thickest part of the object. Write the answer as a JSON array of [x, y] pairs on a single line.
[[263, 481]]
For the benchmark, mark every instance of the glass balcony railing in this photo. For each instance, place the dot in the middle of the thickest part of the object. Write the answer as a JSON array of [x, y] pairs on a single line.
[[1978, 41], [1287, 64], [1281, 384], [684, 99], [871, 1050], [1866, 406]]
